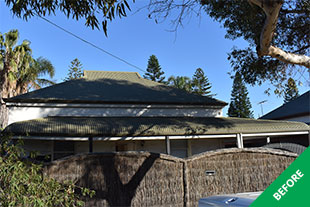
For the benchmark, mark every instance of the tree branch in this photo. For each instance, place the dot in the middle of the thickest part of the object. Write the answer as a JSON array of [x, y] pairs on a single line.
[[288, 57], [272, 9]]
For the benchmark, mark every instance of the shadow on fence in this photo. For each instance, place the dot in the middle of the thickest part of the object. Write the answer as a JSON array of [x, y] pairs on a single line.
[[151, 179]]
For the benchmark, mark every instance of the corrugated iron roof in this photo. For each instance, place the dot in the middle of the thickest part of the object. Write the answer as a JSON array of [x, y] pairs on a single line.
[[147, 126], [95, 75], [116, 88]]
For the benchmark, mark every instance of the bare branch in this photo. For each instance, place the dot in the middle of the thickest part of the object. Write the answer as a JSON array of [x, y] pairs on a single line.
[[160, 10]]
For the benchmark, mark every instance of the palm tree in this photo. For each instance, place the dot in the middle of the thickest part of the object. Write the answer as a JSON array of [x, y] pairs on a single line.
[[19, 72], [181, 82], [30, 77]]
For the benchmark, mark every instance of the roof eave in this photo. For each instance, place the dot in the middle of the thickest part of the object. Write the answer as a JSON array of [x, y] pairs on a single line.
[[10, 100]]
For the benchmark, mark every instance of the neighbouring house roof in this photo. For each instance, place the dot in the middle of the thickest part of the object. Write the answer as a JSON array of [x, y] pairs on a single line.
[[114, 88], [147, 126], [298, 107]]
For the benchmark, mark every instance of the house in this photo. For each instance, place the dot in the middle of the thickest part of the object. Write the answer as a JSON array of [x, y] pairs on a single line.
[[120, 111], [295, 110]]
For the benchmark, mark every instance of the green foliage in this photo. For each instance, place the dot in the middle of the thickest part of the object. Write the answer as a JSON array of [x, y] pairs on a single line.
[[180, 82], [93, 11], [243, 20], [291, 90], [20, 72], [201, 84], [22, 182], [240, 105], [75, 70], [154, 71]]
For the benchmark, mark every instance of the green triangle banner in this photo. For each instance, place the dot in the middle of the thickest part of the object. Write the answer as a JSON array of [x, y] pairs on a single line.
[[291, 188]]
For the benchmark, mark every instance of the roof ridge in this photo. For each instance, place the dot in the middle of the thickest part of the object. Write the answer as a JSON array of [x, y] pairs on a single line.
[[110, 71]]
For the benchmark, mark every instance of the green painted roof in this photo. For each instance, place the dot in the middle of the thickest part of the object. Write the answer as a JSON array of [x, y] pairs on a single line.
[[131, 76], [147, 126], [298, 107], [116, 88]]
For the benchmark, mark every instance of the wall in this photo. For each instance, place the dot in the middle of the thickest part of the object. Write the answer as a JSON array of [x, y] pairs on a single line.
[[151, 179], [21, 112]]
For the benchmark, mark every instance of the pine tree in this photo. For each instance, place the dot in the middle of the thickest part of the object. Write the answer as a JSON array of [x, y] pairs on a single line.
[[240, 105], [291, 90], [75, 70], [201, 84], [154, 71]]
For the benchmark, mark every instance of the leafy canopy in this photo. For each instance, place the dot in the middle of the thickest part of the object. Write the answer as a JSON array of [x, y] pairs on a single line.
[[278, 45], [180, 82], [96, 13], [19, 71], [23, 183], [278, 32], [199, 84]]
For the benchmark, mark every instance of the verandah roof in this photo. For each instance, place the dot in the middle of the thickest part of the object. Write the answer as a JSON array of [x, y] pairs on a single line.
[[147, 126]]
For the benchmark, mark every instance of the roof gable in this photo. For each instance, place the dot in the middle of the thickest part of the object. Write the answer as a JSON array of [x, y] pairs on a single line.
[[114, 87]]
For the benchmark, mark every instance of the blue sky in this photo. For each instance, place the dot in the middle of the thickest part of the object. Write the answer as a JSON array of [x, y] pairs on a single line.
[[200, 43]]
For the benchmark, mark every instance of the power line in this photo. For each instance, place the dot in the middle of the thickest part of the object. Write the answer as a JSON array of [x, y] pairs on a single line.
[[91, 44]]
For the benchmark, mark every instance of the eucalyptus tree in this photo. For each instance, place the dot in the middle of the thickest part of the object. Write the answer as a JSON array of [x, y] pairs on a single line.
[[96, 13], [277, 32]]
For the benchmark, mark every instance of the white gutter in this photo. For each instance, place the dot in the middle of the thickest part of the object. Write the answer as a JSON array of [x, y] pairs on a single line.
[[98, 105], [275, 134], [146, 138]]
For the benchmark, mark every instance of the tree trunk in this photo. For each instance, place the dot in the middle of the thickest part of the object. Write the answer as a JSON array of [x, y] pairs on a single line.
[[272, 9], [4, 115], [5, 92]]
